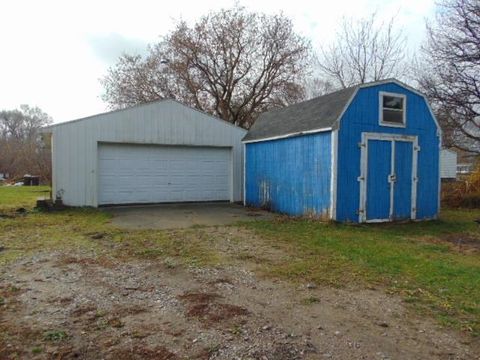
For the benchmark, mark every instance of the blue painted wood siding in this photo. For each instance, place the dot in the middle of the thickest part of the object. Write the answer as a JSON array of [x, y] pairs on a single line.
[[290, 176], [378, 187], [403, 185], [363, 116]]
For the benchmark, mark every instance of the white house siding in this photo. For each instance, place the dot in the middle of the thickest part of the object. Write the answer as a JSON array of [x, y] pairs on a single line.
[[448, 164], [75, 143]]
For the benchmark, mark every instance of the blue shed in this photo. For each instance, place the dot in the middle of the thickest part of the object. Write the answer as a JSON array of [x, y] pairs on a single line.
[[368, 153]]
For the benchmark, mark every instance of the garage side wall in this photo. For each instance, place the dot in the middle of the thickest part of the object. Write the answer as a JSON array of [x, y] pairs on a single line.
[[75, 144], [290, 176]]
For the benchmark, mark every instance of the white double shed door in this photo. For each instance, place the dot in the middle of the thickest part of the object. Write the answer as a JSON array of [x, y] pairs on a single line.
[[138, 174], [388, 181]]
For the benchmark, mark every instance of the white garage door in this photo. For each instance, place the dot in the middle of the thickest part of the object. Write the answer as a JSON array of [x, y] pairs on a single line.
[[153, 174]]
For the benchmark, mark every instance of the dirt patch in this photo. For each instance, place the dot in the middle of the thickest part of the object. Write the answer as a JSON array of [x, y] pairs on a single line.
[[199, 298], [221, 281], [9, 291], [206, 307], [462, 242], [287, 352], [83, 261], [139, 352], [83, 309]]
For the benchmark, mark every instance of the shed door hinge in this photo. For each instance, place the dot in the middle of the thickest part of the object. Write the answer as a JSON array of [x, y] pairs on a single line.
[[416, 148], [361, 144], [361, 178]]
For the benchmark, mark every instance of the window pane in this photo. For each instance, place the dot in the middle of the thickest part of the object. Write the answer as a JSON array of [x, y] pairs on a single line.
[[392, 102], [393, 116]]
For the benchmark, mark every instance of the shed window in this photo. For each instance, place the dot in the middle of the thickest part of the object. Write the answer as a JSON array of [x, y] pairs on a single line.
[[392, 111]]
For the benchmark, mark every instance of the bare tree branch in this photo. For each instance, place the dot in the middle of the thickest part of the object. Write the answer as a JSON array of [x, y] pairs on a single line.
[[20, 148], [450, 71], [231, 63], [363, 51]]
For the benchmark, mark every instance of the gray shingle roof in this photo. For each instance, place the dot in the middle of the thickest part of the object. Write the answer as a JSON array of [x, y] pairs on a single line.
[[317, 113]]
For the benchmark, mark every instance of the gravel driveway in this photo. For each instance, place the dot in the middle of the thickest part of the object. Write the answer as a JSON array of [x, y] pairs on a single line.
[[81, 305]]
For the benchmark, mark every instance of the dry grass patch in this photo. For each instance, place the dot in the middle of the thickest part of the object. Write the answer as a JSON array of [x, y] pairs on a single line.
[[205, 306]]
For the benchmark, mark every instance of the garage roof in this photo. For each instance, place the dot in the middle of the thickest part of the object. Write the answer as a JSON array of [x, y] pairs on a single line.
[[49, 128]]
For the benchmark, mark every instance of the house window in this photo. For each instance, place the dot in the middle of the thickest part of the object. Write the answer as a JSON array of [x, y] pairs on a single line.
[[392, 109]]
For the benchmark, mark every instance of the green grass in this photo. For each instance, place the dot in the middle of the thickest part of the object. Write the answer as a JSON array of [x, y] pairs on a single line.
[[55, 335], [38, 231], [37, 350], [310, 300], [14, 197], [410, 259]]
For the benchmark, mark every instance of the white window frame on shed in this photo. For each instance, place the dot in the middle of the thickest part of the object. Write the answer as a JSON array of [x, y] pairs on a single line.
[[381, 122]]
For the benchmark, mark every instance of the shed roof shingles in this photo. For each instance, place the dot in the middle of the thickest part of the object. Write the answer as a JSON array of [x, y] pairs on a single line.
[[317, 113]]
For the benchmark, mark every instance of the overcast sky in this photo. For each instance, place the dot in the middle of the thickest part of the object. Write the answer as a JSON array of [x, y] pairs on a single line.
[[53, 53]]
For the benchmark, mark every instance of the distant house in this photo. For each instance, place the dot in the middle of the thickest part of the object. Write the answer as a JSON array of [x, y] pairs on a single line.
[[466, 162], [448, 164], [368, 153], [464, 168]]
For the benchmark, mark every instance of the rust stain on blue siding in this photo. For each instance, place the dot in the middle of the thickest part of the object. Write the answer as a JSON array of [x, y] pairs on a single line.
[[290, 176]]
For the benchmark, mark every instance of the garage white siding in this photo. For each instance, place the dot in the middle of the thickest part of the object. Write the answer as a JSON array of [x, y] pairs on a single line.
[[131, 174], [75, 144]]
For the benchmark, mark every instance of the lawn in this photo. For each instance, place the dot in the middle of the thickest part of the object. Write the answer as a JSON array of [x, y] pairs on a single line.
[[86, 229], [14, 197], [430, 264], [434, 266]]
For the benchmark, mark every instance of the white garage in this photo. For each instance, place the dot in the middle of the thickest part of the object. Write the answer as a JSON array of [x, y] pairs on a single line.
[[160, 152]]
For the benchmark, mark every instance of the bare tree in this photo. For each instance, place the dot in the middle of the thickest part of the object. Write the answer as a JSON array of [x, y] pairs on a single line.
[[20, 148], [364, 50], [316, 86], [450, 72], [231, 63]]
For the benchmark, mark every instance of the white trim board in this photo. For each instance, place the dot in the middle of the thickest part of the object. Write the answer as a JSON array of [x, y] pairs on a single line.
[[244, 150], [299, 133], [363, 178], [333, 175]]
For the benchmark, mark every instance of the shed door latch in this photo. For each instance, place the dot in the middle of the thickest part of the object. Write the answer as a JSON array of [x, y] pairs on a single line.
[[392, 178]]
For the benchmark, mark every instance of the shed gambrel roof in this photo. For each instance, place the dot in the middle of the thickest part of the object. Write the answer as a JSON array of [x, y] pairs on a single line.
[[317, 113], [314, 115]]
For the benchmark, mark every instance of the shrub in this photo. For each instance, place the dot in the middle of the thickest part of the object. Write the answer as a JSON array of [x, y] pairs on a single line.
[[464, 193]]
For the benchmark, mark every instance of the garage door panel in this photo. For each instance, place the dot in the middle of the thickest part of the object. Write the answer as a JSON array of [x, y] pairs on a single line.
[[147, 174]]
